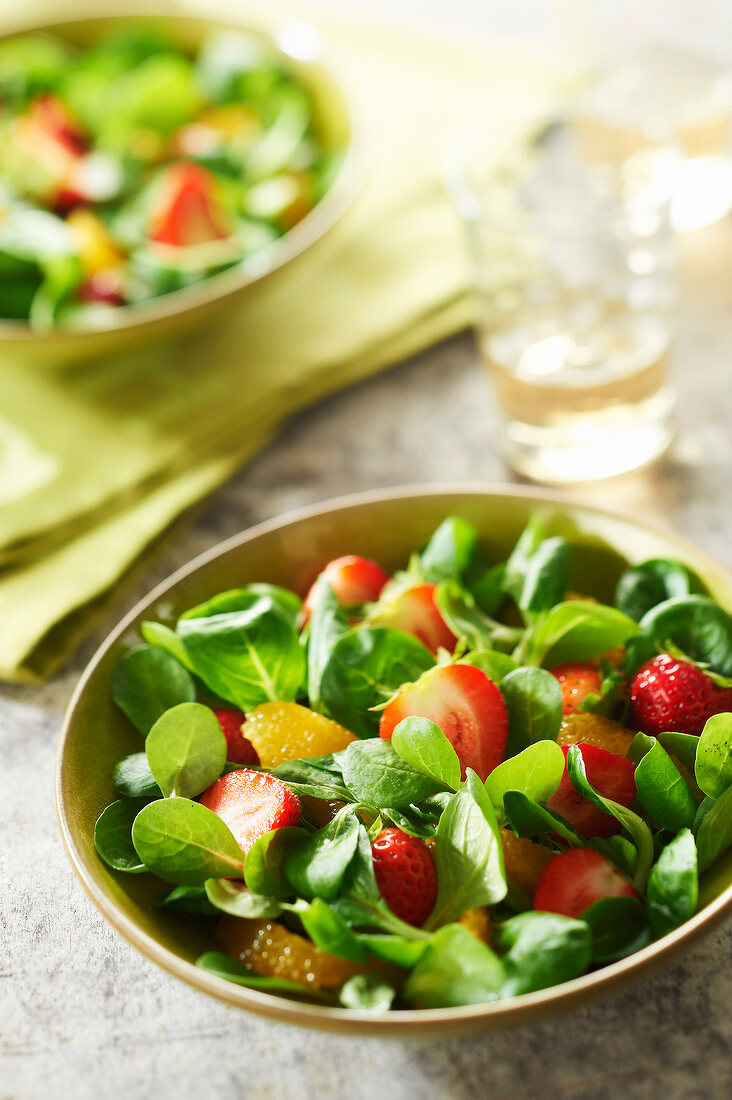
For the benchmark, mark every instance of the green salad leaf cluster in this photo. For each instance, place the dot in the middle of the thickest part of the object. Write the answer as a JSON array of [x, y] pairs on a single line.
[[514, 620], [133, 167]]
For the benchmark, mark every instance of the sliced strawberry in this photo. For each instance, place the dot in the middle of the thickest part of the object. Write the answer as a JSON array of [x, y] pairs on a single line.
[[52, 116], [415, 612], [354, 580], [577, 681], [186, 211], [252, 803], [672, 696], [465, 704], [104, 287], [574, 880], [239, 750], [610, 775], [405, 875]]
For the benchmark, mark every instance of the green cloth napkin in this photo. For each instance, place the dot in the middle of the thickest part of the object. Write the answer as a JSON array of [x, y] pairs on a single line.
[[98, 461]]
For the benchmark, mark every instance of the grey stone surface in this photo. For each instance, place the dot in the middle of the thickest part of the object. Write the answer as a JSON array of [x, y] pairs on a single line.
[[83, 1016]]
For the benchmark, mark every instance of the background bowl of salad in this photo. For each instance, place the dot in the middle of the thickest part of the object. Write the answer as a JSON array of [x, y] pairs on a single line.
[[393, 529], [152, 169]]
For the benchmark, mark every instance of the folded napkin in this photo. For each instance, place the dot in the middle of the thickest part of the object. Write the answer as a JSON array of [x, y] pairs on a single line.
[[97, 461]]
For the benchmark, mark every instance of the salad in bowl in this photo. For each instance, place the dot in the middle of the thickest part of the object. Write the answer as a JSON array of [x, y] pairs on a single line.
[[452, 784], [133, 165]]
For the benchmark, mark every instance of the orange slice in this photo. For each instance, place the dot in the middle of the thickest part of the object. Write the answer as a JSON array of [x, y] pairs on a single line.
[[594, 729], [288, 731]]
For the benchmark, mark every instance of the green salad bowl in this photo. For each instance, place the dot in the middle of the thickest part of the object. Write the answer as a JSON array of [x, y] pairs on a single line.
[[386, 526], [303, 53]]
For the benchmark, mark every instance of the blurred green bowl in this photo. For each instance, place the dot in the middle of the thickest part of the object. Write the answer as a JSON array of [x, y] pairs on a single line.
[[386, 526], [303, 52]]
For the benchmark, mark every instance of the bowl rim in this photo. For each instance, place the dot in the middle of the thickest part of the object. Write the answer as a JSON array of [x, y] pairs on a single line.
[[408, 1022], [326, 213]]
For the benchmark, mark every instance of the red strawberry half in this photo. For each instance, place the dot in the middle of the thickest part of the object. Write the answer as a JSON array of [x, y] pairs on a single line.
[[672, 696], [415, 612], [574, 880], [465, 704], [186, 210], [610, 775], [405, 875], [238, 749], [353, 579], [577, 681], [251, 804]]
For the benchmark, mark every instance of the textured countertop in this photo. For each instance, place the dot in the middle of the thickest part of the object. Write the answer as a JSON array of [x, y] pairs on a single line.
[[83, 1015]]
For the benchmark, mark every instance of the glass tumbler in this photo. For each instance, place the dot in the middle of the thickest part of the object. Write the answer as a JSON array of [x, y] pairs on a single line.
[[574, 264]]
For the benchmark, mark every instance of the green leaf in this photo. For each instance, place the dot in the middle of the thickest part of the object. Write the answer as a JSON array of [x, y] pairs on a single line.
[[533, 700], [527, 818], [546, 577], [239, 901], [187, 899], [662, 790], [577, 631], [468, 853], [467, 622], [641, 744], [535, 772], [132, 778], [327, 625], [673, 885], [424, 746], [185, 843], [455, 969], [186, 750], [146, 682], [542, 949], [642, 587], [264, 862], [315, 867], [368, 992], [113, 836], [242, 599], [681, 745], [695, 624], [713, 763], [247, 657], [308, 777], [518, 561], [714, 834], [631, 822], [449, 551], [365, 667], [496, 665], [377, 776], [330, 932], [619, 928], [231, 970], [486, 585], [394, 949], [165, 639]]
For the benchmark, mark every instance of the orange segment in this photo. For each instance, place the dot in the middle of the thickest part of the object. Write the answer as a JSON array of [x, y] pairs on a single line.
[[96, 247], [478, 923], [524, 860], [288, 731], [594, 729], [274, 951]]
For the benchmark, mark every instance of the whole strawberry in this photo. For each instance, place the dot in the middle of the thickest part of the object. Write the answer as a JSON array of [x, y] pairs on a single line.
[[405, 875], [672, 696]]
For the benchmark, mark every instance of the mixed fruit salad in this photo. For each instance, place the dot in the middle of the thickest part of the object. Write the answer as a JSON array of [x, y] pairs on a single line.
[[131, 169], [450, 786]]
